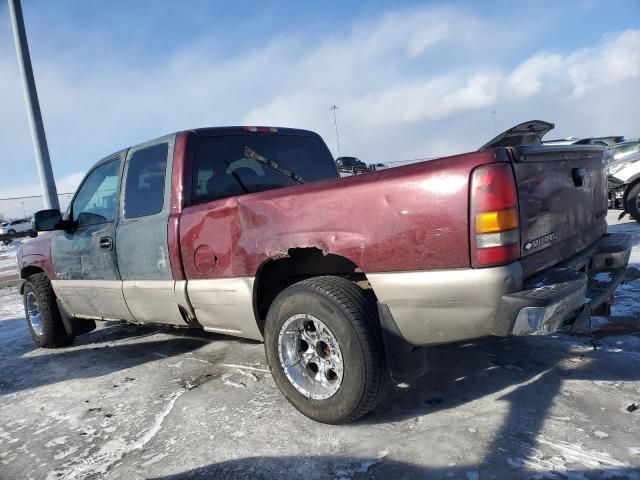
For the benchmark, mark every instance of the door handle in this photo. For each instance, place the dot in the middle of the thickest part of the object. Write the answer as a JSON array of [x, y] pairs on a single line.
[[578, 175], [106, 244]]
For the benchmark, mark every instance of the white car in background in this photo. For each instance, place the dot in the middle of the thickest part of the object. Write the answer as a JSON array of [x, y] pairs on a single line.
[[16, 226]]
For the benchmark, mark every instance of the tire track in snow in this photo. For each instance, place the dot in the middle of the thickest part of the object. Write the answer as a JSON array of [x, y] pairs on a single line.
[[114, 450]]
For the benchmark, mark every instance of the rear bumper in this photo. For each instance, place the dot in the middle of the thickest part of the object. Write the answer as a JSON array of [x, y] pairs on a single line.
[[433, 307], [560, 294]]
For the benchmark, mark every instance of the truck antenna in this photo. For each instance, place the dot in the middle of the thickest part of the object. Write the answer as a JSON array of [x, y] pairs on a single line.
[[335, 122]]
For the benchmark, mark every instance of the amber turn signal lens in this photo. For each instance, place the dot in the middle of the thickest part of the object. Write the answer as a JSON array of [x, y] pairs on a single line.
[[498, 221]]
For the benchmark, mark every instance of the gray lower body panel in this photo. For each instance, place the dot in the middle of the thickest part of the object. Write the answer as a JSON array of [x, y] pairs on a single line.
[[95, 299], [141, 301], [153, 301], [225, 305]]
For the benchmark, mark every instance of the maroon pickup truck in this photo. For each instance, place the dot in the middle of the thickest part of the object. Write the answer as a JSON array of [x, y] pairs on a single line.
[[249, 231]]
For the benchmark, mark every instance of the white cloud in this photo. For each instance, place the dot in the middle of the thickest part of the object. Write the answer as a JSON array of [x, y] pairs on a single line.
[[432, 100], [411, 83], [614, 61], [533, 75]]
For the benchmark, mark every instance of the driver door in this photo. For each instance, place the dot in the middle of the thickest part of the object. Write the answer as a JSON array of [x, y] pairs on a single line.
[[87, 279]]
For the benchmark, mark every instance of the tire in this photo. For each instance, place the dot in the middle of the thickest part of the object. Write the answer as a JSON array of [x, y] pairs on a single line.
[[44, 322], [631, 202], [352, 320], [11, 232]]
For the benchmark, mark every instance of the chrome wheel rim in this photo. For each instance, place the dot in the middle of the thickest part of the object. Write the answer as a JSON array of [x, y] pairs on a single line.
[[310, 356], [33, 313]]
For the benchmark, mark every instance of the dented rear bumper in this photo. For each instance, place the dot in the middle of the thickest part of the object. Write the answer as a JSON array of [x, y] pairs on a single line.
[[559, 295], [432, 307]]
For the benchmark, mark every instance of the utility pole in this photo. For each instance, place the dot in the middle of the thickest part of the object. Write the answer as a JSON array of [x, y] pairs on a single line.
[[47, 182], [335, 122], [493, 112]]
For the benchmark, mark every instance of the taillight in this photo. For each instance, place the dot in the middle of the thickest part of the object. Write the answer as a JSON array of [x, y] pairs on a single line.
[[494, 223]]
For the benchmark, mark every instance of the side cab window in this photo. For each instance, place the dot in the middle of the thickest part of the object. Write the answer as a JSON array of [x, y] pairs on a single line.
[[145, 179], [97, 198]]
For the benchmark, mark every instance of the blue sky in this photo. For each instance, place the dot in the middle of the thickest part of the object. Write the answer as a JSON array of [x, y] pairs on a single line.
[[411, 79]]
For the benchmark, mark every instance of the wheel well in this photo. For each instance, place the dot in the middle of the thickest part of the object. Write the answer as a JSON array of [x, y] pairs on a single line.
[[26, 272], [300, 263]]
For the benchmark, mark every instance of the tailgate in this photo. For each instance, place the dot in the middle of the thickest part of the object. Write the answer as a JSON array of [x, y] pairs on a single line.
[[562, 199]]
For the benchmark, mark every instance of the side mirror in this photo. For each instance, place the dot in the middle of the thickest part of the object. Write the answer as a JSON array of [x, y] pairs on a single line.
[[47, 220]]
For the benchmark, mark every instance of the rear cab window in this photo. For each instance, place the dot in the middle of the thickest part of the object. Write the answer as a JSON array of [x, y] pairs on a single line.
[[223, 169], [145, 180]]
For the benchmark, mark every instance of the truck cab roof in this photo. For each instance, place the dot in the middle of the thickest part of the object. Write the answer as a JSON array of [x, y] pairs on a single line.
[[244, 130]]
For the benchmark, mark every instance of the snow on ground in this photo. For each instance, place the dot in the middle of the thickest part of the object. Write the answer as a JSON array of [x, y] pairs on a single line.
[[8, 266], [10, 305], [133, 402], [9, 250], [628, 296]]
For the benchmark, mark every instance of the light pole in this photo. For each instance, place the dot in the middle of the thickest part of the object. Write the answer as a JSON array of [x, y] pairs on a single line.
[[493, 113], [24, 212], [47, 182], [335, 122]]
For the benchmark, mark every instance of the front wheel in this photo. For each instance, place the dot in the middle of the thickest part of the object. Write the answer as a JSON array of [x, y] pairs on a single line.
[[42, 314], [324, 348]]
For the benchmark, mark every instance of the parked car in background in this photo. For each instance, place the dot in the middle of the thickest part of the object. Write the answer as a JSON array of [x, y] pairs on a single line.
[[623, 178], [351, 165], [16, 227], [623, 170], [249, 231], [602, 141]]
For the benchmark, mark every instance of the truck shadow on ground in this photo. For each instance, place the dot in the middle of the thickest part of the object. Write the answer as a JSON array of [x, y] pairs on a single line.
[[352, 468], [462, 373], [528, 374], [101, 352], [629, 226]]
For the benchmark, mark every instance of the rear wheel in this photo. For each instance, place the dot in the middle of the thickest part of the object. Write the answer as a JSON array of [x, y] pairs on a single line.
[[42, 314], [11, 232], [324, 347], [633, 202]]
